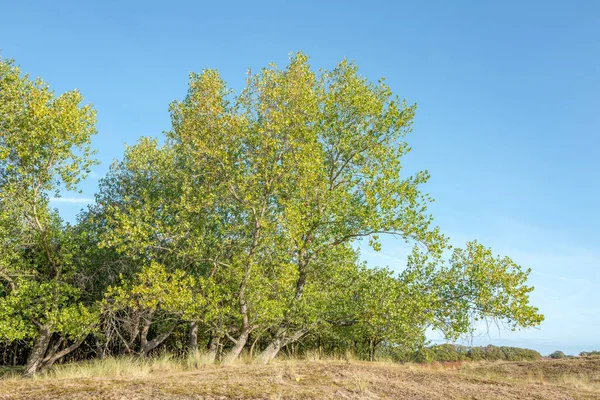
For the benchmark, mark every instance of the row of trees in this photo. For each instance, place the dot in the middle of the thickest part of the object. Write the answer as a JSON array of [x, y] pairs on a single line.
[[236, 231], [450, 352], [559, 354], [592, 353]]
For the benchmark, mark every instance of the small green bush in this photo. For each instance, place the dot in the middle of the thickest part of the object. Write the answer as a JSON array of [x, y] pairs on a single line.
[[532, 355], [462, 352], [558, 354], [445, 352], [476, 354], [396, 353], [425, 355]]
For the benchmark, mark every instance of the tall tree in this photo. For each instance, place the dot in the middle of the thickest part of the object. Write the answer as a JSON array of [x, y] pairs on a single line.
[[44, 148], [243, 152], [352, 186]]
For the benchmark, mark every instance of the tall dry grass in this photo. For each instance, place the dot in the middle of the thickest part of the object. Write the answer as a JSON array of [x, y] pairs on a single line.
[[112, 367], [128, 366]]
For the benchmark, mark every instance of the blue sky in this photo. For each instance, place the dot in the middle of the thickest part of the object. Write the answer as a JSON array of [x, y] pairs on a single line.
[[508, 120]]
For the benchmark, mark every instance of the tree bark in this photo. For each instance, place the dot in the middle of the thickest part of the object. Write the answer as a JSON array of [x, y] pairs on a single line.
[[36, 357], [277, 344], [193, 340], [52, 358], [213, 348], [281, 340], [237, 348], [148, 345], [240, 342], [271, 351]]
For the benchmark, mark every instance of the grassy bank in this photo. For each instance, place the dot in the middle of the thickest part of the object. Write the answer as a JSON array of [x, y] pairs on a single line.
[[168, 378]]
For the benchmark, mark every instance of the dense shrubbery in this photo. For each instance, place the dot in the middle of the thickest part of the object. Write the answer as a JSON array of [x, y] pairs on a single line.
[[493, 353], [476, 354], [446, 352], [558, 354], [450, 352], [519, 354], [589, 353], [424, 355]]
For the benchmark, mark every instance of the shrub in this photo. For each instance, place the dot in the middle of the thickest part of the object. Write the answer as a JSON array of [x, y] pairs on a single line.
[[462, 352], [425, 355], [558, 354], [451, 352], [589, 353], [476, 354], [518, 354], [398, 354], [493, 353], [445, 352], [532, 355]]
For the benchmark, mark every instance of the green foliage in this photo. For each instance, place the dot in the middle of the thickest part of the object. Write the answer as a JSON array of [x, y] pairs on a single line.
[[452, 352], [44, 148], [425, 355], [558, 355], [493, 353], [476, 354], [592, 353], [446, 352], [241, 227], [518, 354], [153, 288], [478, 286]]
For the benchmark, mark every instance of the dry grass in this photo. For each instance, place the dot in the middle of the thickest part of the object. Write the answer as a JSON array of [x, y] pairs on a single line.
[[314, 378], [579, 373]]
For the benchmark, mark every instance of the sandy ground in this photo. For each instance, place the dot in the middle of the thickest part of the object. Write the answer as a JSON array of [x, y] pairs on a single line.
[[547, 379]]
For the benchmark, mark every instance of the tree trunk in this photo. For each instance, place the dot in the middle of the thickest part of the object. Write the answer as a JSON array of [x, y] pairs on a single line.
[[240, 342], [271, 351], [148, 345], [277, 344], [213, 348], [193, 341], [99, 350], [55, 356], [15, 354], [36, 358], [281, 340]]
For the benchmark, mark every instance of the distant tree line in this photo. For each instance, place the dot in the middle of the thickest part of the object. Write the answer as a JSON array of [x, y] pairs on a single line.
[[452, 352], [559, 354], [592, 353], [236, 232]]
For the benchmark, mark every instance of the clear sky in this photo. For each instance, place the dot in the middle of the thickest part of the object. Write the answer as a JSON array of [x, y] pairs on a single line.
[[508, 120]]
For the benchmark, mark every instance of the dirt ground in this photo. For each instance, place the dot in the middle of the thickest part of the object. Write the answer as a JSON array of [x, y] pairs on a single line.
[[546, 379]]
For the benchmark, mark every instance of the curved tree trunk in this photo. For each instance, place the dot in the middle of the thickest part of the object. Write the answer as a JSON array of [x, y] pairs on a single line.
[[43, 357], [238, 346], [240, 342], [36, 357], [277, 344], [271, 351], [148, 345], [54, 356], [281, 339]]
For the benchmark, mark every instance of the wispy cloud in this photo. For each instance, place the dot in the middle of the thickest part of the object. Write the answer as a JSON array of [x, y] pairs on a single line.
[[71, 200], [94, 175]]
